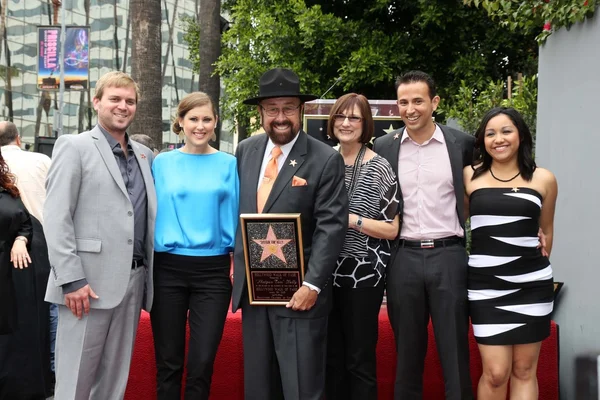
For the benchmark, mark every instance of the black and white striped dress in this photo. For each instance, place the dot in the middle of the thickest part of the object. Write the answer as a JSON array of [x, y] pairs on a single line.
[[363, 259], [510, 285]]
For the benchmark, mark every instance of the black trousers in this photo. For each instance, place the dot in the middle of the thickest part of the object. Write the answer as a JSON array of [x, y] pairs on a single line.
[[202, 286], [420, 283], [352, 343]]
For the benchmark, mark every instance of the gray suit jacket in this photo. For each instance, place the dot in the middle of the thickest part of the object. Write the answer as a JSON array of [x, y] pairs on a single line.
[[460, 150], [323, 204], [88, 219]]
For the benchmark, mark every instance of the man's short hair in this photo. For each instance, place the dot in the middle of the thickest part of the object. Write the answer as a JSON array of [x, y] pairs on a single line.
[[417, 76], [143, 139], [8, 134], [116, 79]]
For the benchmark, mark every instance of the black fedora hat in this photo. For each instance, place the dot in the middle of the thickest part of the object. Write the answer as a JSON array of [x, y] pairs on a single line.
[[279, 82]]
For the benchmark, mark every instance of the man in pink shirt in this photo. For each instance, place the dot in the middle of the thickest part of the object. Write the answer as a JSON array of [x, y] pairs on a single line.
[[428, 272]]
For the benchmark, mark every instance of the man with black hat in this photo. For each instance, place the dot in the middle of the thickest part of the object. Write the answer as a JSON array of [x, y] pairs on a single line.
[[286, 171]]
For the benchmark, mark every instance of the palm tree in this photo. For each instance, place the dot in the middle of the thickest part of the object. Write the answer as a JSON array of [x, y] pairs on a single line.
[[209, 52], [7, 70], [85, 108], [146, 66], [169, 50]]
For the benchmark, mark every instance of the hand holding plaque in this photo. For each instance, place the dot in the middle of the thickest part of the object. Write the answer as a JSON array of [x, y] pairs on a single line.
[[303, 300], [274, 257]]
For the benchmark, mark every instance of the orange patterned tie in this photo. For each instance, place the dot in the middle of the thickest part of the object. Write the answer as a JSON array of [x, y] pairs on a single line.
[[266, 185]]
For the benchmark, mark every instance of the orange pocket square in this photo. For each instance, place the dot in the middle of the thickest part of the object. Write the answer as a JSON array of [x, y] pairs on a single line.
[[297, 181]]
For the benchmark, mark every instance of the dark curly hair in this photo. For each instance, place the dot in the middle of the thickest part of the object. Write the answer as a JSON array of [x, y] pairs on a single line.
[[7, 180], [482, 160]]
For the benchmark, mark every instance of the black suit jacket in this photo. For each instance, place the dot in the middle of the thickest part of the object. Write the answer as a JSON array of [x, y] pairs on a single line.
[[460, 150], [322, 203]]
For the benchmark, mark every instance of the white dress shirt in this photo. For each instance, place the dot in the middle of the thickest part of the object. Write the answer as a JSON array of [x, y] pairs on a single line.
[[285, 151], [30, 170]]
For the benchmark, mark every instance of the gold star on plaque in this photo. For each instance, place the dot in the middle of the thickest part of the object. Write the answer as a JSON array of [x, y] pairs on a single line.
[[293, 163], [272, 246], [396, 136], [390, 129], [515, 189]]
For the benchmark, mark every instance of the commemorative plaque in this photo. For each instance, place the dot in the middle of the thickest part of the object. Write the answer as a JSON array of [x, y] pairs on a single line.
[[274, 257]]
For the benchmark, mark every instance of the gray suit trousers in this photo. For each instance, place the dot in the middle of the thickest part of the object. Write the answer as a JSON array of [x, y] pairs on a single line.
[[284, 358], [93, 354]]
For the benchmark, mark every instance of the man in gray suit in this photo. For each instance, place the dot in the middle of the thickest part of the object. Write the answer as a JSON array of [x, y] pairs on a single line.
[[285, 346], [99, 220], [428, 272]]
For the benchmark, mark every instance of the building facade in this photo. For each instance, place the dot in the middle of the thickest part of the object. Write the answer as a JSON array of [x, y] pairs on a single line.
[[567, 141], [35, 111]]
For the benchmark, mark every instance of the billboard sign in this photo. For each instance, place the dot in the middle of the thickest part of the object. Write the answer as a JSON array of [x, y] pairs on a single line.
[[76, 60]]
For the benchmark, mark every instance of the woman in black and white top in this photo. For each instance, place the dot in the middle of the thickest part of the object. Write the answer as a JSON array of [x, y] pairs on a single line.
[[359, 278]]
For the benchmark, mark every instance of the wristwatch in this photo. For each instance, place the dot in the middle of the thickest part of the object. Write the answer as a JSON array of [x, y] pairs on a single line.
[[359, 223]]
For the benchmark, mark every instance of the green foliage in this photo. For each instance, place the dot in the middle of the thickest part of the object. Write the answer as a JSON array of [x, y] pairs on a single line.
[[279, 34], [538, 16], [524, 100], [366, 43], [192, 38], [4, 71], [470, 103]]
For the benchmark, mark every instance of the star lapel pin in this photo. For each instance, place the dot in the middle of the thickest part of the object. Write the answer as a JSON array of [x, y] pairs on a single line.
[[293, 163], [396, 136], [515, 189]]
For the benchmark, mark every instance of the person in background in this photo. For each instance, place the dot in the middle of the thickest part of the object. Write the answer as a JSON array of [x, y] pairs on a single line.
[[428, 276], [197, 189], [32, 347], [511, 291], [15, 235], [146, 141], [99, 219], [30, 169], [359, 278]]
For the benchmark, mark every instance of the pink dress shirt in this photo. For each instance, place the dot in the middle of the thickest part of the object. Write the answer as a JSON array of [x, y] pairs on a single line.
[[425, 177]]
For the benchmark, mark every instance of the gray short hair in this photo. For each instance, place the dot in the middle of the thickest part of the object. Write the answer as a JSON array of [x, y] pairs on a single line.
[[143, 139], [8, 133]]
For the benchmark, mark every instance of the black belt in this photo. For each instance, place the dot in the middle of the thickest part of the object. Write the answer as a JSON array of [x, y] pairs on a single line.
[[137, 263], [430, 243]]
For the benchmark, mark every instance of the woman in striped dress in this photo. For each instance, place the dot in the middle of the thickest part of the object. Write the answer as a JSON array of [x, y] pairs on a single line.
[[510, 277], [359, 278]]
